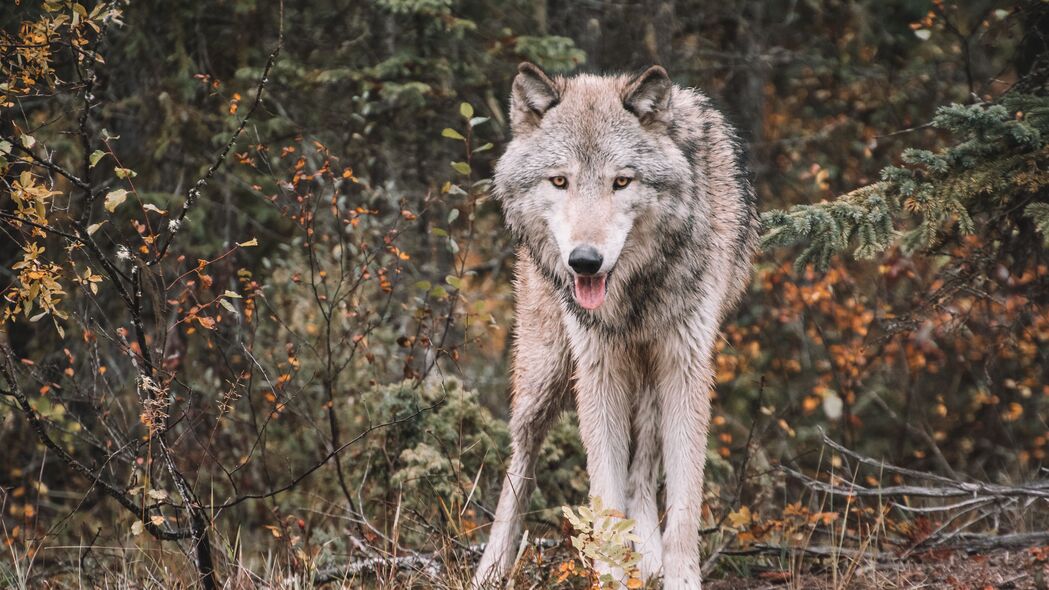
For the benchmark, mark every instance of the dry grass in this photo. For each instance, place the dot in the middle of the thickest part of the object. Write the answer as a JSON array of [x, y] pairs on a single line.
[[148, 566]]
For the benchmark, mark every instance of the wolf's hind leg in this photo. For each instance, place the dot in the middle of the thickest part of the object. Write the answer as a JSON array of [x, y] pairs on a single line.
[[643, 505], [540, 383]]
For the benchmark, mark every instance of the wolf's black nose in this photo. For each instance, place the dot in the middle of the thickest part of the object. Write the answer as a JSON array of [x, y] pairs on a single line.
[[585, 260]]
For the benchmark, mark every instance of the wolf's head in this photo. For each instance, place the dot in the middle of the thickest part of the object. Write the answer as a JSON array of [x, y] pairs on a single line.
[[590, 174]]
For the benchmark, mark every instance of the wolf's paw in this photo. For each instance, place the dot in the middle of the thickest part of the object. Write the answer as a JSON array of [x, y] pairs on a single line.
[[489, 578], [491, 571]]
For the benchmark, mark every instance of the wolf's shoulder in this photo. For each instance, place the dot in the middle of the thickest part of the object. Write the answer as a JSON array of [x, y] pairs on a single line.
[[696, 113]]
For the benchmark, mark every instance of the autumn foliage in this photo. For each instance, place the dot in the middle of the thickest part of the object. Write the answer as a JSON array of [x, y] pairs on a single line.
[[256, 303]]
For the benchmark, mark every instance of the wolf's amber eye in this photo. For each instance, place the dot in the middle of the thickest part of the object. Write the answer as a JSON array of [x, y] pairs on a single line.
[[559, 182], [621, 182]]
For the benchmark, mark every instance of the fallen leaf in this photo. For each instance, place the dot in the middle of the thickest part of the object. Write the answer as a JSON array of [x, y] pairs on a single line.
[[741, 517]]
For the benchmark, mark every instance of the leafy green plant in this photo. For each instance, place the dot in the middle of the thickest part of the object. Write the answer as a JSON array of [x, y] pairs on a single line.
[[605, 535], [551, 52]]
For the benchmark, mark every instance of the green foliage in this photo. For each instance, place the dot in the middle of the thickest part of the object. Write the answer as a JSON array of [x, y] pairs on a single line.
[[441, 452], [562, 461], [417, 7], [551, 52], [604, 535], [453, 449], [828, 228], [1039, 213], [997, 165]]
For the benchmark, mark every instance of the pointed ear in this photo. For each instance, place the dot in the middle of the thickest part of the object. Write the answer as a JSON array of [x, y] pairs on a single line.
[[648, 96], [533, 94]]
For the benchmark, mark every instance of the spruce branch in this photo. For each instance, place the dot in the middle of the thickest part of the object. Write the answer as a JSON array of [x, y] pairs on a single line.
[[999, 163]]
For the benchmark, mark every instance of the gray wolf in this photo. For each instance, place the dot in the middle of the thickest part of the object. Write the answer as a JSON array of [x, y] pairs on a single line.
[[636, 225]]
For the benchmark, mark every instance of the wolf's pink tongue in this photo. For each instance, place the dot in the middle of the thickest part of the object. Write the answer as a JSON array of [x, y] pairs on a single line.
[[590, 291]]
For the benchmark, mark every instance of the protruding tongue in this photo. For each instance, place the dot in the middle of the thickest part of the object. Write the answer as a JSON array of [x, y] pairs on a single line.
[[590, 291]]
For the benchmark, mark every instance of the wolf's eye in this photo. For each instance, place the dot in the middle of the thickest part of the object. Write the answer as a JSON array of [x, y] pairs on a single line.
[[559, 181], [621, 182]]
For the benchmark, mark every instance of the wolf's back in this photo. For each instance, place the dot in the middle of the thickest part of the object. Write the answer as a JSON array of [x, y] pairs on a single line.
[[713, 148]]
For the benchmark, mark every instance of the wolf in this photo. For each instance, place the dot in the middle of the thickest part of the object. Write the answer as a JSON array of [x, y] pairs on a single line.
[[635, 222]]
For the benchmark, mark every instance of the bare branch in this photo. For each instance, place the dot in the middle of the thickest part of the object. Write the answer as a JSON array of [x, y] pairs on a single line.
[[326, 458], [111, 490], [194, 192]]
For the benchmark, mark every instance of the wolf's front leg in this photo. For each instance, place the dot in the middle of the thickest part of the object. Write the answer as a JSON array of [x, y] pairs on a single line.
[[684, 377], [528, 427], [529, 424], [604, 380], [541, 376]]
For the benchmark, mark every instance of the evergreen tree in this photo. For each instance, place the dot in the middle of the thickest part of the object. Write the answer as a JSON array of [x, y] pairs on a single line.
[[993, 179]]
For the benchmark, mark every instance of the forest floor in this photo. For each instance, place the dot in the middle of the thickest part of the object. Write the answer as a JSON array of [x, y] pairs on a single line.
[[1023, 569], [1019, 569], [998, 570]]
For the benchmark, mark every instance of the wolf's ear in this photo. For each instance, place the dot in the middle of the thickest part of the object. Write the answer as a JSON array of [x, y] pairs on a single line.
[[648, 96], [534, 94]]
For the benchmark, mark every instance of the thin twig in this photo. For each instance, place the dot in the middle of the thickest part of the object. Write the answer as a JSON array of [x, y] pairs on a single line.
[[328, 457], [122, 497], [194, 192]]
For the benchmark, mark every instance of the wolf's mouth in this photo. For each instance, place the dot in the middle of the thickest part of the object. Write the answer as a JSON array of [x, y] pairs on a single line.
[[590, 290]]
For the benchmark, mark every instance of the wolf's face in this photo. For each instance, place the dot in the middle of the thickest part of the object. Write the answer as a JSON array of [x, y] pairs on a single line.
[[589, 163]]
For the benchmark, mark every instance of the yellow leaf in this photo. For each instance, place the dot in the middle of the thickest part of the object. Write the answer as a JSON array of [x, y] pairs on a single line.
[[249, 243], [741, 517], [114, 199], [157, 519]]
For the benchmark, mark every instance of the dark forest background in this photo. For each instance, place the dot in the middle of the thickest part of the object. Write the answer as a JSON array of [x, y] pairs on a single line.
[[257, 297]]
